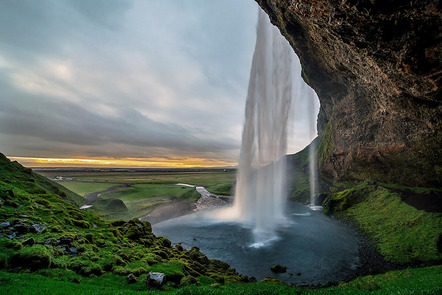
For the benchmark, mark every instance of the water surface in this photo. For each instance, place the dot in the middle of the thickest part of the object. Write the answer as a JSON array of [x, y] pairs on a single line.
[[315, 248]]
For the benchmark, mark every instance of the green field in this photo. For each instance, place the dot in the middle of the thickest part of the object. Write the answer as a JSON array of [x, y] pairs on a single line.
[[145, 192], [141, 199], [204, 178], [86, 187]]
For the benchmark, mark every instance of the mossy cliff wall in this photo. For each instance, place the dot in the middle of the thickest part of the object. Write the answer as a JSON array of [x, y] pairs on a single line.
[[376, 67]]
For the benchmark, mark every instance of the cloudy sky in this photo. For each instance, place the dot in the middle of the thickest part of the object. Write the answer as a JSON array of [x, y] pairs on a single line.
[[126, 83]]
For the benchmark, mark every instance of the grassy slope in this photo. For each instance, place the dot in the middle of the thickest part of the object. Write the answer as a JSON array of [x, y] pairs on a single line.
[[401, 233], [12, 174], [81, 244]]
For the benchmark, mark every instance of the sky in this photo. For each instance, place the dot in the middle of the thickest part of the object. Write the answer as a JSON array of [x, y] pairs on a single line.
[[128, 83]]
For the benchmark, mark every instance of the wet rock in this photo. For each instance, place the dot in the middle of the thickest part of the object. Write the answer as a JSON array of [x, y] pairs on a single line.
[[376, 70], [73, 250], [278, 268], [131, 279], [38, 228], [298, 274], [155, 280]]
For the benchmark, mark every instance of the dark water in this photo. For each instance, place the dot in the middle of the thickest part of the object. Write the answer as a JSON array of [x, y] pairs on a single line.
[[315, 248]]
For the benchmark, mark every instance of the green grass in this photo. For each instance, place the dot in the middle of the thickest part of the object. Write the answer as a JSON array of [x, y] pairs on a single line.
[[224, 189], [203, 178], [101, 249], [86, 187], [139, 192], [142, 198], [401, 233], [409, 281], [23, 180]]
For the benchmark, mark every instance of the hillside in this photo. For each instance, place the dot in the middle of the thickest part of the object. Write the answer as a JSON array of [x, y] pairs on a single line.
[[42, 230]]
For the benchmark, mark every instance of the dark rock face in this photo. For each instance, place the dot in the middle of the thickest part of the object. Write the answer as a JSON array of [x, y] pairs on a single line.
[[376, 67]]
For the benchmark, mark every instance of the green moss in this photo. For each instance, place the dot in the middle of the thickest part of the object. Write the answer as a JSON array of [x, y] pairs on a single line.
[[401, 233], [34, 258]]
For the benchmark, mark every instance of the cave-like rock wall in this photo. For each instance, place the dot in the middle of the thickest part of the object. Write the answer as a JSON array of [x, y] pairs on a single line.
[[376, 67]]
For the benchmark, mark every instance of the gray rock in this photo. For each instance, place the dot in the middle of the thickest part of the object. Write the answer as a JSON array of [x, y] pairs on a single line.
[[155, 280], [73, 249], [131, 279], [38, 228], [5, 224]]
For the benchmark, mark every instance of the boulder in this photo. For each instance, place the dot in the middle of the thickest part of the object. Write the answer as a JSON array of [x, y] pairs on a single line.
[[278, 268], [155, 280]]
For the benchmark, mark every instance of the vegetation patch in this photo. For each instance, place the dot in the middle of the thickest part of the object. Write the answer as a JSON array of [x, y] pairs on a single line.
[[401, 233]]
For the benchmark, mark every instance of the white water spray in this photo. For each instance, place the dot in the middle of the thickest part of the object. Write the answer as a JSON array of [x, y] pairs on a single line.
[[275, 84], [261, 191]]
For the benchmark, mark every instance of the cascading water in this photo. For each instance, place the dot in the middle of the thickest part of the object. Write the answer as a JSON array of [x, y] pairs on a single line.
[[260, 191], [275, 85], [313, 167]]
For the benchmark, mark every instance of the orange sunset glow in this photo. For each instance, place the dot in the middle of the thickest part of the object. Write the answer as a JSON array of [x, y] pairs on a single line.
[[177, 162]]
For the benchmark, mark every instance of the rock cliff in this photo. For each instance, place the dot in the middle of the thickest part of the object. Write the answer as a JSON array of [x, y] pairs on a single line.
[[376, 67]]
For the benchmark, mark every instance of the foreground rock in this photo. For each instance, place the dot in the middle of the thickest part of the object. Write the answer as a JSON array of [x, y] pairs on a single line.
[[155, 280]]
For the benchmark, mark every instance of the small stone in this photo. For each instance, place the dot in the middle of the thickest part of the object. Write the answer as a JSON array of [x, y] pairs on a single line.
[[131, 279], [29, 242], [38, 228], [298, 274], [155, 280], [5, 224], [278, 268], [73, 249]]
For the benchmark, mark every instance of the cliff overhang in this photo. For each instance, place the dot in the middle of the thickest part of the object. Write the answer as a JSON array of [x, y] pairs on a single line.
[[376, 67]]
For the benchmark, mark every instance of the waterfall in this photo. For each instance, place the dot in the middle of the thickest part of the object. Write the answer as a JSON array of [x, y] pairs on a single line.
[[260, 191], [275, 90]]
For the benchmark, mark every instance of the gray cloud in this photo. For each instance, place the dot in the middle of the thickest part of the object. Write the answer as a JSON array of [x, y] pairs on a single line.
[[140, 78], [125, 78]]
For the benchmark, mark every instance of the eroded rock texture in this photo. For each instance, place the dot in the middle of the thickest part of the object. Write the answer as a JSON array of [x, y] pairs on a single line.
[[376, 66]]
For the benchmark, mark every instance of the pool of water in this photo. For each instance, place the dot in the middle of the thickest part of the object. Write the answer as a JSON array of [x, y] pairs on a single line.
[[315, 248]]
